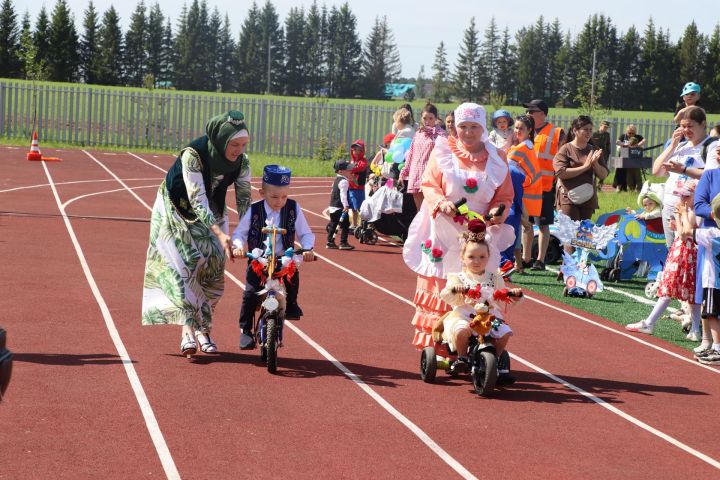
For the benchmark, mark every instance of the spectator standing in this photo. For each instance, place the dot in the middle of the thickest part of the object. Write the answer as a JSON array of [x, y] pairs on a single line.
[[601, 140], [419, 152], [548, 139], [690, 95], [450, 125], [629, 178]]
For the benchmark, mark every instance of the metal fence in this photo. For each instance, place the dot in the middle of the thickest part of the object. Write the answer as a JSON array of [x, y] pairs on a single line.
[[96, 116]]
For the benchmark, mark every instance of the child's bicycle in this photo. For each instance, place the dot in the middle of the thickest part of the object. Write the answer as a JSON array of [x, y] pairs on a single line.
[[268, 325], [483, 362]]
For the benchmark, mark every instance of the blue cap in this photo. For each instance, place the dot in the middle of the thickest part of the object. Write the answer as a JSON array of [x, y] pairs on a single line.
[[690, 87], [500, 114], [276, 175]]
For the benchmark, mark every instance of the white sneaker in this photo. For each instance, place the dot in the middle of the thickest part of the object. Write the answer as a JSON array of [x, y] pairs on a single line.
[[639, 327], [702, 347], [694, 336]]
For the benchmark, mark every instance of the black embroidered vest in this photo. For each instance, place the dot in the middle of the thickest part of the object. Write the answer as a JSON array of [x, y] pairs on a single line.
[[288, 215]]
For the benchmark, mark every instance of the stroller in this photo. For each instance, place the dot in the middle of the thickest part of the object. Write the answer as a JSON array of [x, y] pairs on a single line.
[[389, 211]]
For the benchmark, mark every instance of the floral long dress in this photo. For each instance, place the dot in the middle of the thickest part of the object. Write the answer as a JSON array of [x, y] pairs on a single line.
[[184, 271]]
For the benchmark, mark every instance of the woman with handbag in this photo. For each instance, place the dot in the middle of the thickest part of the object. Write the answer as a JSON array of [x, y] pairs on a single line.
[[576, 165]]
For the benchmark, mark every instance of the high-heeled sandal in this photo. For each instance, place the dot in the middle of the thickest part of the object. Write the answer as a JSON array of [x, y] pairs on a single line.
[[188, 346], [206, 344]]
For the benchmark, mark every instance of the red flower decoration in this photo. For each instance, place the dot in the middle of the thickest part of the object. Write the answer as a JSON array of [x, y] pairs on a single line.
[[436, 253], [471, 183], [428, 243], [477, 226]]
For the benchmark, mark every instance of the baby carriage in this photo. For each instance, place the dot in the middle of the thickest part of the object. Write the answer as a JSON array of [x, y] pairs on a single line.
[[388, 211]]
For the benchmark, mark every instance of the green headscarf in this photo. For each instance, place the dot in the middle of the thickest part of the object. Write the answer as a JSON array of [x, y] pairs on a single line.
[[220, 130]]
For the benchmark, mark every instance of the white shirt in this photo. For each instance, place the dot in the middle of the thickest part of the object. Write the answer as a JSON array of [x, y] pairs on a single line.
[[303, 234], [690, 156]]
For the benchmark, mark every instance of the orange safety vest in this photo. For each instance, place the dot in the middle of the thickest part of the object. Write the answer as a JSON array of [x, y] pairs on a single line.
[[524, 155], [547, 142]]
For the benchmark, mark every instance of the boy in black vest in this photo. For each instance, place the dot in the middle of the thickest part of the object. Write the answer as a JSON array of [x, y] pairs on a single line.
[[339, 206], [284, 213]]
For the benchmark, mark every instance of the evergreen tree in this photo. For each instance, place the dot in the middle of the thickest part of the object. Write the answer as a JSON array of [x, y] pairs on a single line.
[[89, 45], [135, 41], [64, 45], [296, 55], [213, 43], [557, 56], [226, 58], [691, 54], [110, 51], [272, 45], [250, 54], [381, 60], [10, 64], [489, 60], [345, 53], [315, 33], [154, 41], [628, 91], [710, 77], [167, 58], [192, 48], [599, 38], [421, 83], [658, 71], [507, 69], [26, 51], [531, 61], [441, 75], [466, 78], [41, 38]]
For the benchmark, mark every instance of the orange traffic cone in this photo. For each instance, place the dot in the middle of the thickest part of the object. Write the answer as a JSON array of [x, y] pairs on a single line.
[[34, 153]]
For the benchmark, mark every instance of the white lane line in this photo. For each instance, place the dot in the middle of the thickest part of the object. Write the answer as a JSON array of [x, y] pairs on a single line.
[[40, 185], [118, 180], [671, 440], [150, 421], [65, 205], [417, 431]]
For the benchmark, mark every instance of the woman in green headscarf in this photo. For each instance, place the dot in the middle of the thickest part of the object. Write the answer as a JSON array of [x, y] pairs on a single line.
[[189, 231]]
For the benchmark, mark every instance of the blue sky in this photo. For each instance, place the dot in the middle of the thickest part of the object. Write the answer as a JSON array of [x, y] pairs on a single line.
[[420, 25]]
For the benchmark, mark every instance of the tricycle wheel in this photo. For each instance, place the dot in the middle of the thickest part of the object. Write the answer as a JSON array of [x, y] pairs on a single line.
[[428, 365], [484, 372]]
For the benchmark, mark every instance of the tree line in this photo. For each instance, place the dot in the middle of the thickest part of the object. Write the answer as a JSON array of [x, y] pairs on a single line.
[[318, 52]]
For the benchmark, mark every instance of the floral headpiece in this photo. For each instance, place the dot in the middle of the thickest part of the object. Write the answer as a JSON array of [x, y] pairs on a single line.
[[476, 231]]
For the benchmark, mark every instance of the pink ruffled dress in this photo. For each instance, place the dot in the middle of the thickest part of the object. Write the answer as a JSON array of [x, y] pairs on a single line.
[[432, 248]]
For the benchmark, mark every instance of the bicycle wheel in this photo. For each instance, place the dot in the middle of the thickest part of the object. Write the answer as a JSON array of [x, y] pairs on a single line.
[[271, 340], [484, 373]]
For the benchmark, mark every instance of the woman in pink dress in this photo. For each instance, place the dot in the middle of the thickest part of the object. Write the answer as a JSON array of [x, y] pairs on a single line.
[[417, 158], [469, 167]]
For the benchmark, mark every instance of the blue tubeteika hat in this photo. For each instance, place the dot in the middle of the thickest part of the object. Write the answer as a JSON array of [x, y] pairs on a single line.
[[276, 175]]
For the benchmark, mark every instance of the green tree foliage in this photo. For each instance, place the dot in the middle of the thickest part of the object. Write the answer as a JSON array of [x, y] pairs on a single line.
[[10, 64], [89, 44], [441, 76], [381, 60], [41, 39], [658, 76], [64, 45], [345, 53], [249, 53], [167, 58], [136, 58], [507, 68], [489, 60], [466, 81], [296, 53], [154, 41], [711, 73], [110, 51], [628, 86], [558, 55], [226, 58], [691, 53], [597, 46], [315, 35], [213, 60], [272, 45]]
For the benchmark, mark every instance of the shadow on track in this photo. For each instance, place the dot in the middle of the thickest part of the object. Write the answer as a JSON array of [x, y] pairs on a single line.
[[536, 387], [68, 360]]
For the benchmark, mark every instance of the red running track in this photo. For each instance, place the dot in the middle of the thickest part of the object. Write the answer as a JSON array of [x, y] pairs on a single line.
[[590, 401]]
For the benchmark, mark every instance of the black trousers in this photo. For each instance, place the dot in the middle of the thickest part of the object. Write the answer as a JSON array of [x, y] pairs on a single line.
[[251, 299], [335, 220]]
